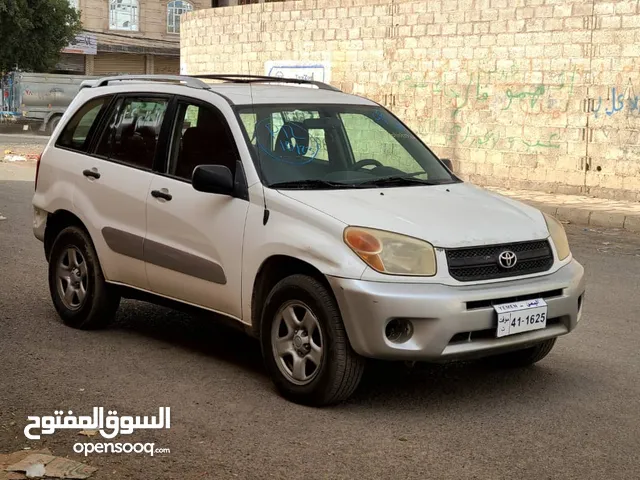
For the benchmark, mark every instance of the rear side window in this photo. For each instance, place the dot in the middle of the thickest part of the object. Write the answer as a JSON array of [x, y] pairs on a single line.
[[131, 134], [77, 132]]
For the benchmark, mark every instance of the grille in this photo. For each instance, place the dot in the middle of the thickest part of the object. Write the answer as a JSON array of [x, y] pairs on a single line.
[[481, 263]]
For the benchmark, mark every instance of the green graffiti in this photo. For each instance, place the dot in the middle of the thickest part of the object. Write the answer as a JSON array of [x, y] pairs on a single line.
[[459, 134], [548, 144], [415, 85], [534, 96], [454, 134], [481, 97], [488, 137]]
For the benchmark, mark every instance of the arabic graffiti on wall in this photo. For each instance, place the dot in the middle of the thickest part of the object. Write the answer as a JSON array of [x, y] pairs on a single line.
[[463, 99], [492, 137], [617, 100], [501, 91]]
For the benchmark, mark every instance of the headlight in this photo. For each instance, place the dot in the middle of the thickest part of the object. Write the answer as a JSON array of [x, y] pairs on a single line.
[[392, 253], [558, 235]]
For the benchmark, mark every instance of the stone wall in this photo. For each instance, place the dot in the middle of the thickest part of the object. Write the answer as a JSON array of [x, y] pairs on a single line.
[[535, 94]]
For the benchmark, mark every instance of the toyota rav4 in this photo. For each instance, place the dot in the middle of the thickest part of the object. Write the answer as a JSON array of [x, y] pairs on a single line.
[[314, 219]]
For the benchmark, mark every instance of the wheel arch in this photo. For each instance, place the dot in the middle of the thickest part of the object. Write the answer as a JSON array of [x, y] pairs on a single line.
[[271, 271], [56, 222]]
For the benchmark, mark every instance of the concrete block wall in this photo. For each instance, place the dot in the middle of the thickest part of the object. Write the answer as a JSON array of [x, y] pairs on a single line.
[[534, 94]]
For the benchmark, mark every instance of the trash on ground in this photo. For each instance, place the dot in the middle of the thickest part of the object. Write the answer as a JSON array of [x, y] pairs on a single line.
[[7, 459], [42, 464], [15, 158], [88, 433], [35, 470]]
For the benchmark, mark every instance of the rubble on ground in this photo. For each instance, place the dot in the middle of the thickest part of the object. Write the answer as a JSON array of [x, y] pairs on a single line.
[[41, 464]]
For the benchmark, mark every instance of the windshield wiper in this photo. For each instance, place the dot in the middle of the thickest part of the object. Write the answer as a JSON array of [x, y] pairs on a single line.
[[398, 181], [310, 184]]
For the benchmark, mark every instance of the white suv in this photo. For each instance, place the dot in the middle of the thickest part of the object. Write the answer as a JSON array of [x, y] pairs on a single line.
[[314, 219]]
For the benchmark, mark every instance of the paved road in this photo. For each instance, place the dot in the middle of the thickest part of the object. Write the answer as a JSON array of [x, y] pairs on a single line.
[[574, 416], [22, 139]]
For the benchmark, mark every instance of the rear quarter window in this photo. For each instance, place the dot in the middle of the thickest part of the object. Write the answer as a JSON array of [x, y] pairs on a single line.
[[77, 132]]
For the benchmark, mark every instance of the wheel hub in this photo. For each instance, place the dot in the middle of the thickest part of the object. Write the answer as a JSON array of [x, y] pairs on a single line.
[[301, 342], [72, 278], [297, 342]]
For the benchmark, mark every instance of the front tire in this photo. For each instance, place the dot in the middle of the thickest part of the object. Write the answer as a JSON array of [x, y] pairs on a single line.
[[525, 357], [305, 346], [77, 286]]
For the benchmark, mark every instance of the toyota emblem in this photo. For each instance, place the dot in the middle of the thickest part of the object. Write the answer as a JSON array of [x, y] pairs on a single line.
[[507, 259]]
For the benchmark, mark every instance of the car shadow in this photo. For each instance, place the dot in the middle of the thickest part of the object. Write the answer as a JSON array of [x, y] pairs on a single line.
[[383, 384], [205, 333]]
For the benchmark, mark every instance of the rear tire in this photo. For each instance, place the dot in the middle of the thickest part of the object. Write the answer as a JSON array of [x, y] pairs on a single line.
[[77, 286], [305, 346], [525, 357]]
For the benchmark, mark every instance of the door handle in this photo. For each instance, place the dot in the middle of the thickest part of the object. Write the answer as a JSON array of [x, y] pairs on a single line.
[[160, 194], [93, 173]]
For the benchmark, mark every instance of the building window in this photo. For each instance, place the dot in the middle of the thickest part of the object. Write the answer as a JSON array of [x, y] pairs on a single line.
[[123, 15], [174, 10]]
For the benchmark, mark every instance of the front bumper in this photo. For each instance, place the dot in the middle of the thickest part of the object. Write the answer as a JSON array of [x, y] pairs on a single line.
[[446, 326]]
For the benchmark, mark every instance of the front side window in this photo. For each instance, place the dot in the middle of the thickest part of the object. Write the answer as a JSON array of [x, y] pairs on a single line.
[[201, 136], [337, 146], [131, 134], [174, 10], [76, 133], [123, 15]]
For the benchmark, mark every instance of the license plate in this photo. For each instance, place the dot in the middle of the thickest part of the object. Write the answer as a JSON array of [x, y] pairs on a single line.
[[519, 317]]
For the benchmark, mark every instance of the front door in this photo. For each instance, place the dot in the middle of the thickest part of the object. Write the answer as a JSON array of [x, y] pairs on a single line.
[[193, 246]]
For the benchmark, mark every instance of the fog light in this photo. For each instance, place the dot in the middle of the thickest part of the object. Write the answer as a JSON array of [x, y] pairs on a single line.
[[398, 330]]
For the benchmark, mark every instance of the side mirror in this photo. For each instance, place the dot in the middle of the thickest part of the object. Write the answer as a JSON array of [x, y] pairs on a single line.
[[213, 179], [448, 163]]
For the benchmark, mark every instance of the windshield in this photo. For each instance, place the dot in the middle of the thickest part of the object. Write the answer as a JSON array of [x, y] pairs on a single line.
[[337, 146]]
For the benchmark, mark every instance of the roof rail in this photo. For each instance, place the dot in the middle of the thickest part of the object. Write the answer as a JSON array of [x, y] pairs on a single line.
[[265, 79], [189, 81], [196, 82]]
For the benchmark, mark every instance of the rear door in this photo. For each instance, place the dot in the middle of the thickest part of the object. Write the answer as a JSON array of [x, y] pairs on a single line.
[[116, 177]]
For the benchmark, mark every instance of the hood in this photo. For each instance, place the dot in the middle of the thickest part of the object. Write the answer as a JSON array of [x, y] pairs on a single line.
[[448, 216]]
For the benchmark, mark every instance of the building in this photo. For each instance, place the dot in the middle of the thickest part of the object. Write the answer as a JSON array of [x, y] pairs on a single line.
[[127, 36]]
